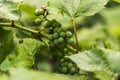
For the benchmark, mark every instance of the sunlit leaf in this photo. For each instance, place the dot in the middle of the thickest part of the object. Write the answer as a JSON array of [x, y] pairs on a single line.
[[23, 74], [9, 10], [98, 59], [3, 77], [117, 1], [76, 8]]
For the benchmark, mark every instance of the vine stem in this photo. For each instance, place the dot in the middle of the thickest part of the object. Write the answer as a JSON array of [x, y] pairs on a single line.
[[15, 25], [75, 32]]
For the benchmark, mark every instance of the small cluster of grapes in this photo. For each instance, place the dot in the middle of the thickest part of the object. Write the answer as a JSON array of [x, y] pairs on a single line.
[[41, 13], [60, 38], [68, 67]]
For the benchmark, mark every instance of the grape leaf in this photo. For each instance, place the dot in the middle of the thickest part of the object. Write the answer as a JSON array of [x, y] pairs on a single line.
[[98, 60], [103, 75], [90, 60], [100, 38], [9, 10], [24, 74], [3, 77], [76, 8], [27, 15], [37, 4], [117, 1], [23, 54], [6, 40]]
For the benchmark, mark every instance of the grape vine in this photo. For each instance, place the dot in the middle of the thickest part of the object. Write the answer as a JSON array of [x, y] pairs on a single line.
[[40, 36]]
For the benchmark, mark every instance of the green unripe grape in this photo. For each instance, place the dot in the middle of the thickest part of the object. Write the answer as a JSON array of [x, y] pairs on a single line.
[[62, 60], [70, 41], [41, 11], [66, 50], [51, 44], [50, 37], [55, 42], [59, 30], [48, 24], [55, 35], [37, 12], [38, 21], [60, 40], [64, 64], [68, 34], [69, 53], [62, 34], [70, 65], [55, 29], [62, 45], [72, 70], [56, 24], [64, 69]]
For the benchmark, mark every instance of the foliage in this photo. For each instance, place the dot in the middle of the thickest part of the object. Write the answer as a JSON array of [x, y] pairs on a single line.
[[35, 44], [6, 45], [76, 8], [117, 1], [99, 61]]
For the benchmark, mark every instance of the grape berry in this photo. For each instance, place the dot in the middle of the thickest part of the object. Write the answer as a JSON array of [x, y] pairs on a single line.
[[38, 21]]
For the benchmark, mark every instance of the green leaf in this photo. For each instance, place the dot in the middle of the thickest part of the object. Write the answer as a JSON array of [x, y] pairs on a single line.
[[98, 60], [27, 15], [6, 43], [90, 60], [76, 8], [23, 54], [37, 4], [87, 40], [112, 17], [3, 77], [117, 1], [101, 38], [24, 74], [103, 75], [5, 65], [9, 10]]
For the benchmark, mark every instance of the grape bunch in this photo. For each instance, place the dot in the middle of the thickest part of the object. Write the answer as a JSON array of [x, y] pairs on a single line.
[[68, 67], [60, 38], [41, 14]]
